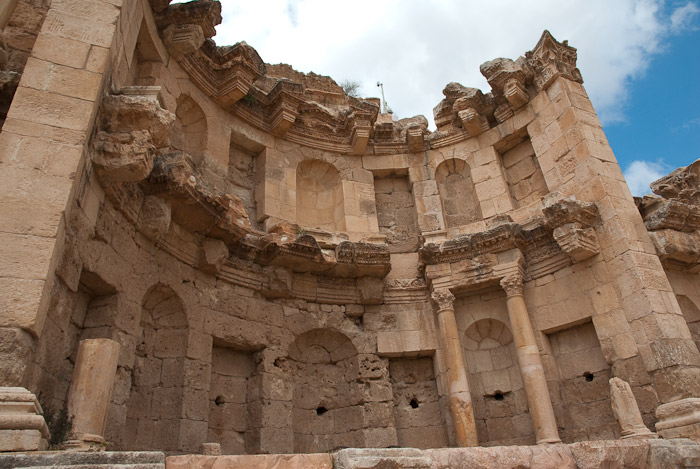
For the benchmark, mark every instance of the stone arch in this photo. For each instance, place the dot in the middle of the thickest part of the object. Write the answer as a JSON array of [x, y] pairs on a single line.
[[154, 407], [326, 402], [190, 133], [320, 201], [460, 205], [691, 313]]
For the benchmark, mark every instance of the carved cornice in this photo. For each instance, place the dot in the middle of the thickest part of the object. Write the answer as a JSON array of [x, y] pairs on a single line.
[[204, 13], [512, 284], [567, 226], [682, 185], [443, 298], [508, 79], [550, 60]]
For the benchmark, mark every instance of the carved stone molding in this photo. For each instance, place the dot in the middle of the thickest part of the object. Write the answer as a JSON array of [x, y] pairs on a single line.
[[579, 243], [550, 60], [508, 79], [443, 298], [203, 13], [683, 184], [512, 284]]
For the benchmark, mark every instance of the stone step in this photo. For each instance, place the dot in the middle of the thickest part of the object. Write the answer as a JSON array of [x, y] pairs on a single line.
[[106, 459], [373, 458]]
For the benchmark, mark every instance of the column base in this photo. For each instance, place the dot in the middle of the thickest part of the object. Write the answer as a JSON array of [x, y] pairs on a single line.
[[679, 419], [638, 433], [84, 442], [22, 425], [548, 441]]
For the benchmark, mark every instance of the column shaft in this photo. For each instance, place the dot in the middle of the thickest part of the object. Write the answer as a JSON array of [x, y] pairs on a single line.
[[531, 370], [90, 392], [458, 387]]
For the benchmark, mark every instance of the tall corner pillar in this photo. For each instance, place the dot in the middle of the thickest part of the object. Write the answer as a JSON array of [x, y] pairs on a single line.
[[460, 398], [90, 393], [530, 362]]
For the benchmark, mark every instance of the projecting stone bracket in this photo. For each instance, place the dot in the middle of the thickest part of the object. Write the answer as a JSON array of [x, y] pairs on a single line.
[[183, 39], [578, 242]]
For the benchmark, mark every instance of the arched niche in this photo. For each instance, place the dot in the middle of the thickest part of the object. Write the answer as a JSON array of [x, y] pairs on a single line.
[[154, 407], [460, 205], [326, 403], [500, 403], [190, 133], [319, 196]]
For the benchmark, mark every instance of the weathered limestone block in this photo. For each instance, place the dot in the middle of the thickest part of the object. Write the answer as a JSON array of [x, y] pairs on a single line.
[[504, 457], [626, 411], [183, 39], [258, 461], [212, 255], [206, 14], [579, 243], [123, 156], [16, 347], [676, 247], [22, 424], [550, 60], [90, 393], [138, 109], [370, 290], [133, 459], [508, 77], [472, 121], [154, 218], [211, 449], [679, 419], [394, 458], [681, 184]]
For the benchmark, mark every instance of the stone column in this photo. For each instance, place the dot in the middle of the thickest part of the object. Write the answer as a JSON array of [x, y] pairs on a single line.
[[458, 387], [90, 392], [531, 370], [626, 411]]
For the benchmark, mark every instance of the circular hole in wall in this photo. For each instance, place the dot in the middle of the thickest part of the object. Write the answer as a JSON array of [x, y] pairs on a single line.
[[588, 375], [413, 403], [219, 401], [321, 410], [498, 396]]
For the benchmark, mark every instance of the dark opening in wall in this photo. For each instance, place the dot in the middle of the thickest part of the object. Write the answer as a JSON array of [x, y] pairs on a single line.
[[219, 401], [414, 403], [589, 376], [498, 396], [321, 410]]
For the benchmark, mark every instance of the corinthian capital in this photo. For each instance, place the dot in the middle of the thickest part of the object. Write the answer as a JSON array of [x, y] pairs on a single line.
[[512, 284], [444, 298]]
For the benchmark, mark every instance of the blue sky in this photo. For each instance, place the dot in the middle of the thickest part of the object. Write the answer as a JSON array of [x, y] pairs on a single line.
[[639, 58], [660, 130]]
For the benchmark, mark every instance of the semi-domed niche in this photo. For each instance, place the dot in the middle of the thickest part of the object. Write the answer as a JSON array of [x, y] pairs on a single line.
[[326, 403], [190, 133], [319, 192], [460, 205], [154, 406]]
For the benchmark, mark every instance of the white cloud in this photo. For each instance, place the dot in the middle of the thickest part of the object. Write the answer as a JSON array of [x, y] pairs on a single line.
[[639, 174], [415, 47], [683, 18]]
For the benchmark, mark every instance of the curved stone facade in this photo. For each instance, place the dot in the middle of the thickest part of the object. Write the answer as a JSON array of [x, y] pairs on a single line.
[[287, 270]]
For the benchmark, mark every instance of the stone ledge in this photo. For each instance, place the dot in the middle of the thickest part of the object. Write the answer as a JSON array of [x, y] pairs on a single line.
[[107, 459]]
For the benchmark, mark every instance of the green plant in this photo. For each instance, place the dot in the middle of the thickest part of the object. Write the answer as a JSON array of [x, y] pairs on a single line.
[[301, 231], [60, 425], [249, 100]]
